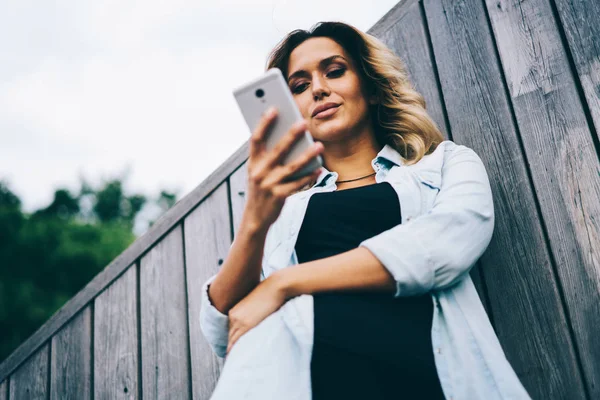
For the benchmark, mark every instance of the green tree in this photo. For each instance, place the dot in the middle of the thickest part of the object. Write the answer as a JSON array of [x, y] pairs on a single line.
[[47, 256]]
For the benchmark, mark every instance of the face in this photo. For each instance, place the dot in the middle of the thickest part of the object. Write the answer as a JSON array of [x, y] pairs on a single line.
[[319, 72]]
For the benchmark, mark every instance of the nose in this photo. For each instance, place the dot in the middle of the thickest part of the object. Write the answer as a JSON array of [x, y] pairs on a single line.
[[319, 87]]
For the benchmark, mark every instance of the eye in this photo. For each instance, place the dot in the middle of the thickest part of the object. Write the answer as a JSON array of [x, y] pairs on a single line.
[[335, 73], [295, 88]]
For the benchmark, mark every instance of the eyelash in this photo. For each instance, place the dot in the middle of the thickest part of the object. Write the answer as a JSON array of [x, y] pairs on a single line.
[[339, 72]]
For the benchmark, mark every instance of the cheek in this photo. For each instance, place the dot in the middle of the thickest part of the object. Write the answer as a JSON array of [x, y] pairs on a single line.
[[303, 105]]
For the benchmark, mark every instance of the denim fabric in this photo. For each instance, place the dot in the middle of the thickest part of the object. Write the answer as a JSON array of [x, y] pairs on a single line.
[[448, 220]]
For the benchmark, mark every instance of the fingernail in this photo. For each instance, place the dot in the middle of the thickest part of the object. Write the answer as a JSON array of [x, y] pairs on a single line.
[[271, 111]]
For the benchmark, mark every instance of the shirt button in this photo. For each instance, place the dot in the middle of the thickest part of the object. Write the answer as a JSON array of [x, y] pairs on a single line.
[[439, 350]]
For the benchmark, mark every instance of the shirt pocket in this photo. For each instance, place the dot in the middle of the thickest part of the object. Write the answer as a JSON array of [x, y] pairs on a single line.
[[429, 185]]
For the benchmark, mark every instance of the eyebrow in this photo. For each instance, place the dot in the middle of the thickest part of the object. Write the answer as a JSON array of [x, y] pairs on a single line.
[[323, 63]]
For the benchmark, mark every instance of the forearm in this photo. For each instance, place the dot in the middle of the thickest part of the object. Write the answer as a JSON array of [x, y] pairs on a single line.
[[240, 272], [355, 270]]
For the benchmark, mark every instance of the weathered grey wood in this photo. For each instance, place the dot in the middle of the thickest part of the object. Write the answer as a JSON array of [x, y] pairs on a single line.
[[528, 313], [164, 330], [582, 30], [30, 380], [238, 184], [478, 280], [391, 17], [518, 268], [123, 261], [207, 241], [4, 390], [565, 174], [70, 372], [116, 340], [408, 39]]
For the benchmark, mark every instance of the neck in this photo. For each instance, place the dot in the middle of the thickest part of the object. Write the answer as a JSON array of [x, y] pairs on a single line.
[[351, 159]]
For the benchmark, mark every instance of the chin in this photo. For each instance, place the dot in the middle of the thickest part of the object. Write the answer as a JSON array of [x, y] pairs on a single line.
[[329, 131]]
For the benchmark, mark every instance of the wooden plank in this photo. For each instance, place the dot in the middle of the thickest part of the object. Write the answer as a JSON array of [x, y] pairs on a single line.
[[391, 17], [238, 184], [116, 340], [408, 39], [70, 361], [580, 22], [164, 224], [207, 242], [4, 390], [565, 174], [164, 330], [528, 313], [478, 280], [30, 380]]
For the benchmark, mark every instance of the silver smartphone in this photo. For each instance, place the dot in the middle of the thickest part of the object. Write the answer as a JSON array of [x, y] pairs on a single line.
[[271, 89]]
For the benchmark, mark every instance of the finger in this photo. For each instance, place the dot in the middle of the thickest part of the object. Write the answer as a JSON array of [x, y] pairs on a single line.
[[229, 343], [283, 172], [272, 161], [234, 338], [289, 188], [284, 145], [257, 140]]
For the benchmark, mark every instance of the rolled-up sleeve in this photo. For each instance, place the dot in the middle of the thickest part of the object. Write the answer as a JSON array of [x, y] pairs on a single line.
[[437, 249], [213, 323]]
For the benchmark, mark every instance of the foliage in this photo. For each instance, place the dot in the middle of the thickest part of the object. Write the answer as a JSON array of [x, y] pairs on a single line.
[[48, 256]]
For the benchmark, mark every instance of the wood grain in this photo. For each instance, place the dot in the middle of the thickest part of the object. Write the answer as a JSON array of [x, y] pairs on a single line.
[[408, 39], [143, 244], [4, 390], [164, 330], [238, 183], [525, 300], [30, 380], [565, 174], [116, 340], [70, 365], [580, 22], [207, 241]]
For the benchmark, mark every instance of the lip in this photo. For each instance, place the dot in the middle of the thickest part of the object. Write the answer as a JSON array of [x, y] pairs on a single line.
[[326, 113], [324, 107]]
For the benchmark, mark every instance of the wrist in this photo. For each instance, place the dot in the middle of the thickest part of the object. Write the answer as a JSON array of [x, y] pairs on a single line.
[[253, 230], [283, 282]]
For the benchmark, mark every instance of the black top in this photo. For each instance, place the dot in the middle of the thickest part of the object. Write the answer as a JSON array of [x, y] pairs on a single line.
[[346, 362]]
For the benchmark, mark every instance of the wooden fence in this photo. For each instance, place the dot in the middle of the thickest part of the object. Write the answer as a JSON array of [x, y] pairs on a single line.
[[519, 82]]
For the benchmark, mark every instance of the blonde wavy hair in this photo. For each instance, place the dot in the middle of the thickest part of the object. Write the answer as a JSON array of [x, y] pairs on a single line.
[[399, 119]]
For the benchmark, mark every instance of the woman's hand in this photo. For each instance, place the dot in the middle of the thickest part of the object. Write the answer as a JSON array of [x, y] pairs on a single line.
[[269, 181], [266, 298]]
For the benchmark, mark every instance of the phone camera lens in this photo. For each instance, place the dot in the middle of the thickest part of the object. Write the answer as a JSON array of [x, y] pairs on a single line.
[[260, 93]]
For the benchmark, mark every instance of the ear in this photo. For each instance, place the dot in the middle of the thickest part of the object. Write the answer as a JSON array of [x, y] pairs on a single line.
[[373, 99]]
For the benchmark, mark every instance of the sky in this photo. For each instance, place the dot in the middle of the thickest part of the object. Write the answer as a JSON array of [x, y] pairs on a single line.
[[136, 89]]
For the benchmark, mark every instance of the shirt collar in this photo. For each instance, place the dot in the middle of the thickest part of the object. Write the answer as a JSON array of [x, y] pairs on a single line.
[[386, 156]]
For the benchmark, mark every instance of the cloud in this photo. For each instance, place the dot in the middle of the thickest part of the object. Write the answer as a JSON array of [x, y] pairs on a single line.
[[91, 87]]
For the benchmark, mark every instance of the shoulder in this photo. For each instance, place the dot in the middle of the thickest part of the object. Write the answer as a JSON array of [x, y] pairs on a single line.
[[433, 167], [446, 153]]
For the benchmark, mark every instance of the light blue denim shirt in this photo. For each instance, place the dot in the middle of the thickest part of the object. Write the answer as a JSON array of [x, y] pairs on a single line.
[[448, 220]]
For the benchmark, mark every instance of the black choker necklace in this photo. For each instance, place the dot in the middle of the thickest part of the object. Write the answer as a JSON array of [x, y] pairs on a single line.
[[350, 180]]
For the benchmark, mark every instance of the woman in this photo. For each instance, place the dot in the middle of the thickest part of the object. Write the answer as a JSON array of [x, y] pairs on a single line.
[[357, 286]]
